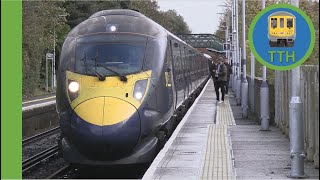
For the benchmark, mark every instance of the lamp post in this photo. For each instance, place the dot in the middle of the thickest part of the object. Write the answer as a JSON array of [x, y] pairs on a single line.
[[225, 35], [238, 81], [234, 75], [226, 28], [53, 83], [244, 82], [264, 95], [296, 123], [232, 43]]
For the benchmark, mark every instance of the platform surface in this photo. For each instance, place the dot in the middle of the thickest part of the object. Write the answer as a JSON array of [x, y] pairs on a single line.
[[213, 141]]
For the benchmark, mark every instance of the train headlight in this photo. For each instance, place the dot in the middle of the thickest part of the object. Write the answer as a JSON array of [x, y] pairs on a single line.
[[73, 86], [140, 89], [73, 89], [113, 28]]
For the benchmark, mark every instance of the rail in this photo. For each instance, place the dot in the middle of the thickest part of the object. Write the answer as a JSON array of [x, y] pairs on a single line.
[[38, 158]]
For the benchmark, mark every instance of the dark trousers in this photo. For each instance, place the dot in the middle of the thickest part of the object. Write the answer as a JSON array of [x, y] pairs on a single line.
[[220, 85], [227, 86], [214, 79]]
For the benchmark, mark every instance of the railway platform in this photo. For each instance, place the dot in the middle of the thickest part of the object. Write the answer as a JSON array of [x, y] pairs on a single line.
[[38, 101], [213, 141], [38, 115]]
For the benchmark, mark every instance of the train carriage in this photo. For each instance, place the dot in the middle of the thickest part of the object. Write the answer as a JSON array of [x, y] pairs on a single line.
[[281, 29], [121, 78]]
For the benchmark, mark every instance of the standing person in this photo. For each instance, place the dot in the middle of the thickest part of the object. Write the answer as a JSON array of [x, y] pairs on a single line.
[[229, 70], [221, 74], [213, 73]]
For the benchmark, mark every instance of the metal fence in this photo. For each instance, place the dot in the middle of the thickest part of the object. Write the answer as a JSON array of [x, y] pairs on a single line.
[[279, 99]]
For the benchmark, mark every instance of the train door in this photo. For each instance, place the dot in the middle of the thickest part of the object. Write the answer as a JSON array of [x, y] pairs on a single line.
[[190, 71], [185, 72], [169, 78], [177, 74], [281, 25]]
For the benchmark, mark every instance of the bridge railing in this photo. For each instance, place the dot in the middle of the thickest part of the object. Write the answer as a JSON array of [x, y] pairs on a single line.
[[202, 41]]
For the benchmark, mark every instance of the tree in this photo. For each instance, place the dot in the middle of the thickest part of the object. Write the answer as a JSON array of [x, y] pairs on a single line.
[[38, 19], [42, 18], [81, 10]]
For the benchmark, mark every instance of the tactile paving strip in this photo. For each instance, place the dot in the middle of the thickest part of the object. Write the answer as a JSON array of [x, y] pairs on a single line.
[[218, 162], [224, 113]]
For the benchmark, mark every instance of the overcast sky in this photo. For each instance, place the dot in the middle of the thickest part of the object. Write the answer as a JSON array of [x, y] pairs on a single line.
[[200, 15]]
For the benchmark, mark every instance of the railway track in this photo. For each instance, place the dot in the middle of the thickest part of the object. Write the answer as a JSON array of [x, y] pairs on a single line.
[[40, 136], [38, 158], [61, 171]]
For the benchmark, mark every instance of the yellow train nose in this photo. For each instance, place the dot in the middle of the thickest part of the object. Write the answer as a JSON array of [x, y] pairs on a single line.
[[103, 111]]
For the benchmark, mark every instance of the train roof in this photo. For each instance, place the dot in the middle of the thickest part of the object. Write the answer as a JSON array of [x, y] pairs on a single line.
[[126, 12], [281, 13], [126, 21]]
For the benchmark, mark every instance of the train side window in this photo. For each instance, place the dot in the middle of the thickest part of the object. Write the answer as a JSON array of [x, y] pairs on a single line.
[[274, 22], [176, 57], [289, 22], [168, 66], [281, 22], [168, 58]]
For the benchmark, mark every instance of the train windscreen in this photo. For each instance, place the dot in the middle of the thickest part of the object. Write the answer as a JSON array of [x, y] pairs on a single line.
[[290, 22], [124, 58], [274, 22]]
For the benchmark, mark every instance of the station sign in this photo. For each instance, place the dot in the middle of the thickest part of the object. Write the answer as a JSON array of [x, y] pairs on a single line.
[[226, 46], [281, 37], [49, 56]]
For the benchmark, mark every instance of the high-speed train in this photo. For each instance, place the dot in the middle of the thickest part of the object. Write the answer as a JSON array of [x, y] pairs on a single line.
[[121, 79]]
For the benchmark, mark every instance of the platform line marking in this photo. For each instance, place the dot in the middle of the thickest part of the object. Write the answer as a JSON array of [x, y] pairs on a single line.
[[205, 165], [25, 102], [38, 105], [224, 114], [150, 172], [220, 159]]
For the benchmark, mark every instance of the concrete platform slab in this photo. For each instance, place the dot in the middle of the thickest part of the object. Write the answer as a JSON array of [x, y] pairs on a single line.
[[213, 141], [261, 154], [182, 156]]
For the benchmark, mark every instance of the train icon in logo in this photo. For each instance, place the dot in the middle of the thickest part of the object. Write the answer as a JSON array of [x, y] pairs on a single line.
[[281, 29]]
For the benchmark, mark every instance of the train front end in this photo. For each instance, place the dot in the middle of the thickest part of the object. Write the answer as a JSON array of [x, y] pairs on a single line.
[[103, 81], [281, 29]]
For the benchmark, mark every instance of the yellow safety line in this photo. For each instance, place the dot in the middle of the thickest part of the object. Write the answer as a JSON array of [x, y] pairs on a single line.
[[224, 114], [218, 162]]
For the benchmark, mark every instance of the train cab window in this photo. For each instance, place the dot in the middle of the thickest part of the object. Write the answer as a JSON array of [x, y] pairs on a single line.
[[124, 58], [274, 22], [281, 22], [290, 22]]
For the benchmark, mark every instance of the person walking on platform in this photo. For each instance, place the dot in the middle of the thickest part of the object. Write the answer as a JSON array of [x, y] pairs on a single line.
[[213, 73], [229, 70], [221, 75]]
